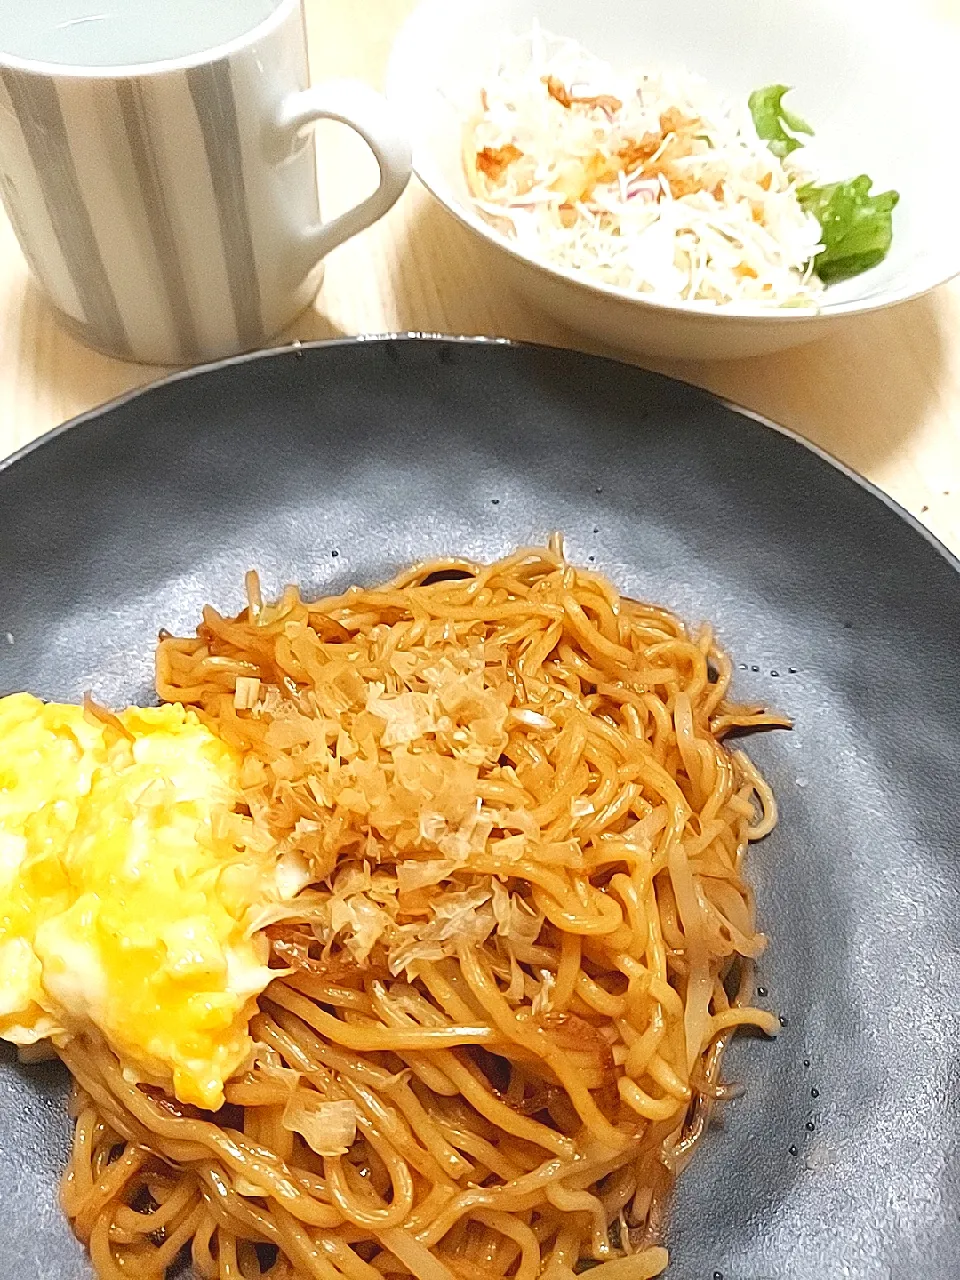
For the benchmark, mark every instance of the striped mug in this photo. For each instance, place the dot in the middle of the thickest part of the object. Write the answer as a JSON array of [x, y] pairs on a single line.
[[157, 167]]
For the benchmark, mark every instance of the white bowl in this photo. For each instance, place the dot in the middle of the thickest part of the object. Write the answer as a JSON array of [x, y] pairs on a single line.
[[877, 84]]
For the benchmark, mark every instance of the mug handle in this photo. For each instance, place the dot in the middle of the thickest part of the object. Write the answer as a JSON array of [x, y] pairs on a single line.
[[355, 104]]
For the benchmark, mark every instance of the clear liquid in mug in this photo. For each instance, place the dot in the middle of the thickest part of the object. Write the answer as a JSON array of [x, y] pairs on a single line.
[[116, 33]]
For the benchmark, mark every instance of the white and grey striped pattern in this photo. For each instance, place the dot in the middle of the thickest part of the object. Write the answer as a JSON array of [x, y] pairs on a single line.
[[155, 210]]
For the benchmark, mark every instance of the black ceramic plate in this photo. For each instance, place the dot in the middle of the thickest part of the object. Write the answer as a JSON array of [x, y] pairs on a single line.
[[340, 463]]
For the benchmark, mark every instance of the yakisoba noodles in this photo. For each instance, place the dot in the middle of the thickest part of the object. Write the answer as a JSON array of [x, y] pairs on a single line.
[[500, 1010]]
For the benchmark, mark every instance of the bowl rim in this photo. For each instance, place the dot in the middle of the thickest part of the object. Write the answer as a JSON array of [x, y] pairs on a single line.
[[397, 82]]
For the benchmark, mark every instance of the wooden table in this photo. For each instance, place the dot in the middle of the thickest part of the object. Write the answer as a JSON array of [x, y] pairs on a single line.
[[884, 396]]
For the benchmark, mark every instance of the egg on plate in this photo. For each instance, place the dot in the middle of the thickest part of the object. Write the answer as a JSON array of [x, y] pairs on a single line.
[[128, 907]]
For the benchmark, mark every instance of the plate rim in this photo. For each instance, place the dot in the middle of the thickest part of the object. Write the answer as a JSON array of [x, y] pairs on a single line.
[[415, 336]]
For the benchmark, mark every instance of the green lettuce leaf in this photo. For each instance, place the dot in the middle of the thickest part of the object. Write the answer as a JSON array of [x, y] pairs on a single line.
[[773, 120], [856, 228]]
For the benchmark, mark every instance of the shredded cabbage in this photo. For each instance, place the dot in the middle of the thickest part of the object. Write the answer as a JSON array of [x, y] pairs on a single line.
[[648, 182], [328, 1128]]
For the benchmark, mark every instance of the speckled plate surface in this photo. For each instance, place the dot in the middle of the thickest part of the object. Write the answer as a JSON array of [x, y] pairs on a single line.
[[341, 463]]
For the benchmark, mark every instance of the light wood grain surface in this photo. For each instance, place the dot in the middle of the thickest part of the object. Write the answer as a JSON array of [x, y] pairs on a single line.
[[884, 396]]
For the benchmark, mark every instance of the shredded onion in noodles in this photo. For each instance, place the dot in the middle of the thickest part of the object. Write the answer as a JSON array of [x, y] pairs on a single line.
[[502, 1003]]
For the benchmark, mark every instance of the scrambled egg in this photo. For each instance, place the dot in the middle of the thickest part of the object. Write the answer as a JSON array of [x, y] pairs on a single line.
[[122, 903]]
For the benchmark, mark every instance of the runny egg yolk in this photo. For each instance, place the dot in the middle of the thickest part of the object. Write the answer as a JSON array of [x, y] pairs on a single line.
[[120, 906]]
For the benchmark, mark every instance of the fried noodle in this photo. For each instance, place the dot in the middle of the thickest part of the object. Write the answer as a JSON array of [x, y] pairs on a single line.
[[525, 948]]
